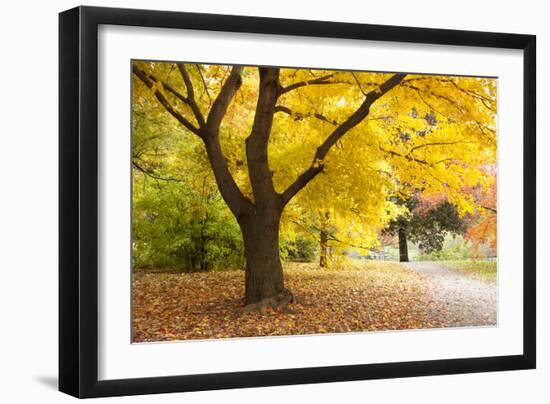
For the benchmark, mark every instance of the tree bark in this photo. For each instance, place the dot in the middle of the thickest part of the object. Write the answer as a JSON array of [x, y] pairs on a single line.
[[403, 250], [264, 281]]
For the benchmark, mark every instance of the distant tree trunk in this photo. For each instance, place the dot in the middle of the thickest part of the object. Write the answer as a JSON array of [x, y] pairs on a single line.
[[204, 224], [197, 258], [403, 250], [203, 261], [323, 249]]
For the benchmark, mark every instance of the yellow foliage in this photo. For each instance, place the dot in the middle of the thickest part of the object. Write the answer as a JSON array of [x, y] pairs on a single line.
[[429, 134]]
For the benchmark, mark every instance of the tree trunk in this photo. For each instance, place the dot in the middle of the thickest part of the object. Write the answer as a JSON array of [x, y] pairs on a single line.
[[264, 282], [403, 250], [323, 249]]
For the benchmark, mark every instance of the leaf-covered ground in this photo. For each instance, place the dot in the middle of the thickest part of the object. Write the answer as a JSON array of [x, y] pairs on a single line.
[[364, 297]]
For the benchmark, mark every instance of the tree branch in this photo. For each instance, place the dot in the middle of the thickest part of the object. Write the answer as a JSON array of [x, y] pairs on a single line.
[[227, 186], [486, 101], [357, 116], [405, 156], [191, 95], [298, 116], [437, 144], [319, 80], [434, 94], [331, 236], [361, 113], [489, 209], [230, 191], [261, 178], [204, 84], [300, 182], [149, 81], [151, 173], [358, 84], [220, 105], [451, 102]]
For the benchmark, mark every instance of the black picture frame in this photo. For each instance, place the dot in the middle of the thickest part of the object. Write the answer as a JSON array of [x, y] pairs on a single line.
[[78, 201]]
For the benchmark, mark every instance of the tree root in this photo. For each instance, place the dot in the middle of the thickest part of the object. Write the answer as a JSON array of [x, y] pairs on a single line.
[[281, 301]]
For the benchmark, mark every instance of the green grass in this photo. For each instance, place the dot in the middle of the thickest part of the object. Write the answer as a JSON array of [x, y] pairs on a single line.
[[479, 269]]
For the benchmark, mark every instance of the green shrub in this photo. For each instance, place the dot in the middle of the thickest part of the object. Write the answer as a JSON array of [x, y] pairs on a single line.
[[174, 227], [454, 248], [300, 249]]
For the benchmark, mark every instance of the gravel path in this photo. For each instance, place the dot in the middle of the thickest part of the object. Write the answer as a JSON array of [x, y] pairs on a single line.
[[456, 299]]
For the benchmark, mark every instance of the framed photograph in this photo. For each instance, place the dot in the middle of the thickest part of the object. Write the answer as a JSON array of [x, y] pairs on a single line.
[[251, 201]]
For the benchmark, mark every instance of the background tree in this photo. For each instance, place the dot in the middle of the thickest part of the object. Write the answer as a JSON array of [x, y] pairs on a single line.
[[483, 229], [425, 226]]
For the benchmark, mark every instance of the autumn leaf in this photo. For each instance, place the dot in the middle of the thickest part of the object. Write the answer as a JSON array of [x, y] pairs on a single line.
[[372, 296]]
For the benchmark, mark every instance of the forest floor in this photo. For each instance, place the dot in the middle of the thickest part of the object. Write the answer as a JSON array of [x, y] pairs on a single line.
[[364, 296]]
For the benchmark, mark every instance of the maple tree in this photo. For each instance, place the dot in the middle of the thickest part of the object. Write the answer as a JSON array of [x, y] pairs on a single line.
[[279, 142]]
